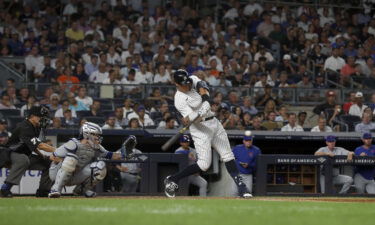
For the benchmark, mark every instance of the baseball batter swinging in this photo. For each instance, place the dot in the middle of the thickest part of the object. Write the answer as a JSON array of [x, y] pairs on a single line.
[[191, 100]]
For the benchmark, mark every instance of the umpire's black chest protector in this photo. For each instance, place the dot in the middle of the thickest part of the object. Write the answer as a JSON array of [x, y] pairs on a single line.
[[25, 138]]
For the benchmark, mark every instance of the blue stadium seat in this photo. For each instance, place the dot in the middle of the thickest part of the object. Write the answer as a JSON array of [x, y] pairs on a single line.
[[96, 119], [13, 121], [10, 112]]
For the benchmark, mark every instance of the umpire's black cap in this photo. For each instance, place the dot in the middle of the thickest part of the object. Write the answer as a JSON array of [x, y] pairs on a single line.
[[182, 77], [40, 111]]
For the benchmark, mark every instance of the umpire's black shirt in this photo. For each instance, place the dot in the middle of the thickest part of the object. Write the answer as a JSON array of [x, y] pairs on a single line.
[[25, 138]]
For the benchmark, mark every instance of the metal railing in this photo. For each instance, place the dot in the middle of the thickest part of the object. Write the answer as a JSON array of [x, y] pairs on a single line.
[[288, 95]]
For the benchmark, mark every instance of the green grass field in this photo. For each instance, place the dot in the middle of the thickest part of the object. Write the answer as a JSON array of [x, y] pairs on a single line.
[[154, 211]]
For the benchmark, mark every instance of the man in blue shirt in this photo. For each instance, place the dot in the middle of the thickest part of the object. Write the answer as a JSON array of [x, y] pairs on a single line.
[[246, 156], [194, 179], [364, 177]]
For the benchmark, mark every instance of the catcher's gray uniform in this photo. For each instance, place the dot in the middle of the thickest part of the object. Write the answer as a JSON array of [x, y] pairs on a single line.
[[337, 178], [78, 166]]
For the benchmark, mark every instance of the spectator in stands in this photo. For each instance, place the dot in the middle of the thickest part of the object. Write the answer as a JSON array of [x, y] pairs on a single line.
[[372, 103], [366, 125], [233, 100], [31, 101], [74, 33], [301, 119], [99, 75], [143, 118], [347, 71], [169, 123], [74, 104], [5, 102], [131, 86], [64, 106], [3, 139], [246, 121], [292, 124], [349, 103], [4, 127], [247, 106], [262, 99], [93, 66], [67, 81], [12, 93], [95, 109], [119, 117], [33, 61], [305, 88], [68, 120], [270, 122], [128, 107], [357, 108], [56, 123], [23, 95], [46, 96], [287, 65], [54, 102], [328, 105], [80, 73], [143, 76], [331, 150], [282, 115], [134, 123], [322, 126], [83, 97], [162, 75], [48, 73], [110, 123], [257, 124], [319, 82], [193, 66], [334, 62]]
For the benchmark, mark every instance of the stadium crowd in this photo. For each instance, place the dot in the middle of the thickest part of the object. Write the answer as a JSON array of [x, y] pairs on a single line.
[[267, 48]]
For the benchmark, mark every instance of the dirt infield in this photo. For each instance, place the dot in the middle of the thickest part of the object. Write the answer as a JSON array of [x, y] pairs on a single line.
[[288, 199]]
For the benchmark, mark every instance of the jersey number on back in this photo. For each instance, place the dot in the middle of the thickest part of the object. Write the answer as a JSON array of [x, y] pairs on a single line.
[[35, 140]]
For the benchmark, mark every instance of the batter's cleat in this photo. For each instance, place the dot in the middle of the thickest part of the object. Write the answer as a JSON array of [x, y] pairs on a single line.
[[170, 188], [6, 193], [246, 195], [54, 194], [90, 194]]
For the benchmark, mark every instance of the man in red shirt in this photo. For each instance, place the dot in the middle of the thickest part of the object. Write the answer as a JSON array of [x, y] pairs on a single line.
[[67, 80]]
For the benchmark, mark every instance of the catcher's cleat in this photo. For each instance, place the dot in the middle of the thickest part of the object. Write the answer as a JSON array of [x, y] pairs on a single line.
[[170, 188]]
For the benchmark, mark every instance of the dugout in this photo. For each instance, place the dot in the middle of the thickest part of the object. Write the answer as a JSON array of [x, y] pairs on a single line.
[[271, 143]]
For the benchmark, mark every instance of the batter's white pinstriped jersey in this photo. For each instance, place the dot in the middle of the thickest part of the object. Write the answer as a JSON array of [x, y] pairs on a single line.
[[206, 134]]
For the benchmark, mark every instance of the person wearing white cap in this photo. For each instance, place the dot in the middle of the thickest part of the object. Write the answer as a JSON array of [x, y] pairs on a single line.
[[358, 108]]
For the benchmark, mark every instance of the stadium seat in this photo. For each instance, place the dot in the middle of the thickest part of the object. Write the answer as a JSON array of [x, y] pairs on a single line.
[[81, 114], [13, 121], [96, 119], [10, 112], [350, 120]]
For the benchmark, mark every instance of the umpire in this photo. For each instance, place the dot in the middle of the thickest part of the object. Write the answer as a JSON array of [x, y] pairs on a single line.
[[23, 142]]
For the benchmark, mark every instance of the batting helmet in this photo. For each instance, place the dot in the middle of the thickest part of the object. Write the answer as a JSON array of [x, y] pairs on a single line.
[[182, 77]]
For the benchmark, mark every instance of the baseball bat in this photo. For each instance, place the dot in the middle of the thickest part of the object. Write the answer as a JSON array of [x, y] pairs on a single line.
[[173, 139]]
